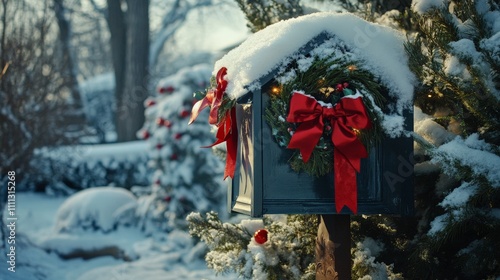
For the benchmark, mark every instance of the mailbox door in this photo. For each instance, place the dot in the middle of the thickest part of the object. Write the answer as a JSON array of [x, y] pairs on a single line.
[[385, 183], [264, 183]]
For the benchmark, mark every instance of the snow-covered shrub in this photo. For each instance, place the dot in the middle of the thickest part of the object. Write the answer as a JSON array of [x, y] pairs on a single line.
[[186, 176], [102, 209], [64, 170]]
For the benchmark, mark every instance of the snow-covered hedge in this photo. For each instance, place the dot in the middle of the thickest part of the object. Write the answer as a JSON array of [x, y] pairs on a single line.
[[64, 170]]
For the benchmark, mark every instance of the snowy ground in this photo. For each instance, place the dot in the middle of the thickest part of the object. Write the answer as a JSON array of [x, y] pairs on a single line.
[[151, 258]]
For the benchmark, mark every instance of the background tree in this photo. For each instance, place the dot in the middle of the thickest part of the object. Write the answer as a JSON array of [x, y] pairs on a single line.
[[262, 13], [136, 71], [186, 176], [128, 23], [35, 90], [173, 16], [456, 57], [34, 87], [117, 25], [398, 11], [68, 58], [129, 27]]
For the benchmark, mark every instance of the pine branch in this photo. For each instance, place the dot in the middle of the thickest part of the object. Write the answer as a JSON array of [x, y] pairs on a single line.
[[218, 236]]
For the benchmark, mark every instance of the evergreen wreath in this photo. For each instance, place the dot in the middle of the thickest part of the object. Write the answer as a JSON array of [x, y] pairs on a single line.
[[327, 80]]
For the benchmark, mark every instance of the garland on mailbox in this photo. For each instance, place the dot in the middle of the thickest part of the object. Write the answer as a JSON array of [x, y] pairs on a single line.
[[323, 113]]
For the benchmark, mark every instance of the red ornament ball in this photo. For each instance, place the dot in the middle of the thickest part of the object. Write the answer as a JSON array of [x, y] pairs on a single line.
[[167, 198], [167, 89], [185, 113], [159, 146], [178, 136], [260, 236], [160, 121], [339, 87], [150, 102], [174, 157], [145, 134]]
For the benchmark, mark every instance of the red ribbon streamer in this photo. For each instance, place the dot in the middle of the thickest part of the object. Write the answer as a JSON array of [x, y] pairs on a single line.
[[226, 127], [347, 114]]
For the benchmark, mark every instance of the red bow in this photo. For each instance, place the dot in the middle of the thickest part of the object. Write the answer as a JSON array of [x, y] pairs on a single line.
[[347, 114], [226, 128]]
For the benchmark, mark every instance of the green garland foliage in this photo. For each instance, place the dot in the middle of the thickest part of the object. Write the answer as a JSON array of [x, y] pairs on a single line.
[[320, 81]]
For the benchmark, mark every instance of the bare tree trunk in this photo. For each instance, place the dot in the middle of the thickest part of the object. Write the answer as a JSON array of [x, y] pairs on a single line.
[[118, 29], [74, 118], [131, 111], [68, 57]]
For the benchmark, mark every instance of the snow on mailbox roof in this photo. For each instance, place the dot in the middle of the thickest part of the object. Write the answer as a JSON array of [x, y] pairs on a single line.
[[380, 47]]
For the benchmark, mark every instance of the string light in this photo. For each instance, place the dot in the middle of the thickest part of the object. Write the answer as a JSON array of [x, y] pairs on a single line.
[[321, 81], [275, 90], [352, 68]]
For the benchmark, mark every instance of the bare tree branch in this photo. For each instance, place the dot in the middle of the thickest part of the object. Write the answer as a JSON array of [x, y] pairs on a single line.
[[171, 22]]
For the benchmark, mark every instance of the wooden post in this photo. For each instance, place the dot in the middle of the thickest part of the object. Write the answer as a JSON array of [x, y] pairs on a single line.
[[333, 248]]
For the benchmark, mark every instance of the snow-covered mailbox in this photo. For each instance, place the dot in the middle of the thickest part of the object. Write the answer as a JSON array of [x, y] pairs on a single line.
[[316, 113]]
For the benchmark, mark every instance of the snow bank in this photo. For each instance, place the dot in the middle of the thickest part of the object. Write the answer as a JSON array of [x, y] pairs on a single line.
[[153, 269], [163, 256], [95, 208]]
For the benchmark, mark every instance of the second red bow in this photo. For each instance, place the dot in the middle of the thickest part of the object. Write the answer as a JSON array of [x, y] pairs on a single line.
[[348, 114]]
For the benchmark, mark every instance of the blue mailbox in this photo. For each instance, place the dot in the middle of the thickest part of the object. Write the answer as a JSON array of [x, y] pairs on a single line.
[[264, 181]]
